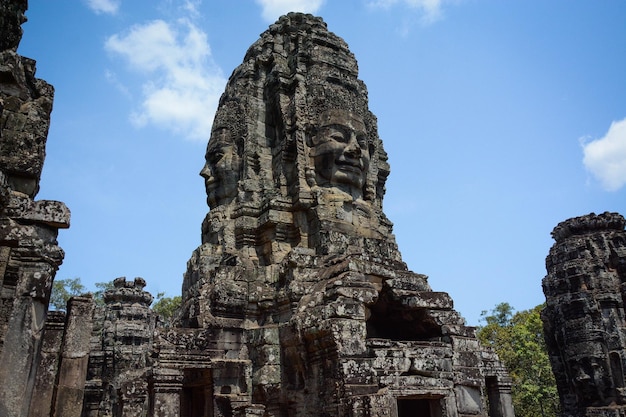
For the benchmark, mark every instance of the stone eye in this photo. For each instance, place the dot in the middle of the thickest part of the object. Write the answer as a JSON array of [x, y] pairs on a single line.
[[338, 136], [362, 141], [215, 155]]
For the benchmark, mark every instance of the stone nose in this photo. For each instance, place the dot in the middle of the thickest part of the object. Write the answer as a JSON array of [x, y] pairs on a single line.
[[353, 148], [205, 172]]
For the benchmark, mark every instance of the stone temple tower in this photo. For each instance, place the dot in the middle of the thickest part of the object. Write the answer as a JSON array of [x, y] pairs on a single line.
[[584, 316], [297, 303]]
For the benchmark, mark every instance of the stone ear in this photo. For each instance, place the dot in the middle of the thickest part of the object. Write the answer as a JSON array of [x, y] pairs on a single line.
[[310, 134]]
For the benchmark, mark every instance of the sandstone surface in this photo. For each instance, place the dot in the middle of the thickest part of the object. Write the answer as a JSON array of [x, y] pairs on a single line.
[[29, 254], [584, 316]]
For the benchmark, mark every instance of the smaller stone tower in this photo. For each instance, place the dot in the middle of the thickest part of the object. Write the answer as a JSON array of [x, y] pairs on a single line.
[[584, 315], [117, 376]]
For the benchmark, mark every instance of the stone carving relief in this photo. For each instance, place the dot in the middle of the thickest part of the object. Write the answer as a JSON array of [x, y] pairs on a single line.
[[584, 318], [340, 151], [222, 170]]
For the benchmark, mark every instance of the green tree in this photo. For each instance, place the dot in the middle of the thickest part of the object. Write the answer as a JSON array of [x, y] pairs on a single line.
[[166, 306], [518, 341], [63, 290], [500, 315], [102, 287]]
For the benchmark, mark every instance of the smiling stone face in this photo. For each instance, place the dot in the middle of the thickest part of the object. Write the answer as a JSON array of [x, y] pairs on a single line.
[[340, 151]]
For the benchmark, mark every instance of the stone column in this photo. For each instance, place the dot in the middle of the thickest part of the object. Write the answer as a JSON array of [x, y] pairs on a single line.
[[166, 385], [500, 399], [48, 365], [74, 358], [20, 355]]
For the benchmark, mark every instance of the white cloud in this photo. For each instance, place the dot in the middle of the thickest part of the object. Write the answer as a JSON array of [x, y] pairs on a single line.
[[605, 158], [190, 7], [430, 9], [273, 9], [111, 77], [182, 86], [104, 6]]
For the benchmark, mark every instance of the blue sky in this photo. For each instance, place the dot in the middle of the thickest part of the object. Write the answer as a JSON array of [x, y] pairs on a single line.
[[500, 119]]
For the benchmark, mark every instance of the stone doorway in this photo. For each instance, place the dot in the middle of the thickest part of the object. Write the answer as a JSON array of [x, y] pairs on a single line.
[[197, 395], [419, 407]]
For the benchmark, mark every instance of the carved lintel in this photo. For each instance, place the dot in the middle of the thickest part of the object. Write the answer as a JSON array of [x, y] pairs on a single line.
[[51, 213]]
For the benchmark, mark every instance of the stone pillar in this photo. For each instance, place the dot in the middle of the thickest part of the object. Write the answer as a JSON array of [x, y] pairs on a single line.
[[74, 358], [20, 354], [500, 399], [43, 393], [7, 292], [165, 389]]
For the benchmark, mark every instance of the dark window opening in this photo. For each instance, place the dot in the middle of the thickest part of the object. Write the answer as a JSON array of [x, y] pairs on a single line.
[[197, 395], [224, 408], [393, 321], [616, 369], [421, 407]]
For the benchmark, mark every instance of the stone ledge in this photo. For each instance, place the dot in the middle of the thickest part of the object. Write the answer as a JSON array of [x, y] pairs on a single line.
[[48, 212]]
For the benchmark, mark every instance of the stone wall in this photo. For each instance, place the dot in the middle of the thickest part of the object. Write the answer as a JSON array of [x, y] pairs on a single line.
[[29, 254]]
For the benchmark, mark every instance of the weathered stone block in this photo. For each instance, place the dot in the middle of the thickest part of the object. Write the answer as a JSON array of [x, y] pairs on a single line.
[[468, 400]]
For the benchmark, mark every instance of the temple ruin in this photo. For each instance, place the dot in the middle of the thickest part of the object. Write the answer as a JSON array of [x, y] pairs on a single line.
[[584, 316], [297, 301], [29, 254]]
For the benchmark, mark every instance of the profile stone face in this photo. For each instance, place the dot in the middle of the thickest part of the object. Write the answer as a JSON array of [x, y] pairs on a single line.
[[221, 169], [223, 161]]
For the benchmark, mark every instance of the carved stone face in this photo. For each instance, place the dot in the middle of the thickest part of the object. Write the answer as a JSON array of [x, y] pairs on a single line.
[[591, 380], [221, 171], [340, 151]]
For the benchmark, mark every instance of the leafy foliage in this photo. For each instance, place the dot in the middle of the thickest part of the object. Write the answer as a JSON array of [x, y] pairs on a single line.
[[166, 306], [102, 287], [63, 290], [518, 340]]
